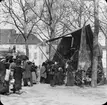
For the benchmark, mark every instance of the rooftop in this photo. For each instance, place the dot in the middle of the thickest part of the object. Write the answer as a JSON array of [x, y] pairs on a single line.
[[9, 36]]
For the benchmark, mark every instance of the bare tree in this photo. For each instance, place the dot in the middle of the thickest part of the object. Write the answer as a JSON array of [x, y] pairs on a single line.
[[81, 13], [95, 45], [77, 13], [68, 15], [18, 14], [51, 12]]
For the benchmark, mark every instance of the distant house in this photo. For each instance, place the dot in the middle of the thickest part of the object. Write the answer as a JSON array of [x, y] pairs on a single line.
[[37, 51]]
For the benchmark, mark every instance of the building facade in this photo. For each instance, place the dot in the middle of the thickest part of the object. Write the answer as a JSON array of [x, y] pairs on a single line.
[[37, 50]]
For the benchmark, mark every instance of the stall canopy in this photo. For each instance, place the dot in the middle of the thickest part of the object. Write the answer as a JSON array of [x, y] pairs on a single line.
[[69, 45], [77, 47]]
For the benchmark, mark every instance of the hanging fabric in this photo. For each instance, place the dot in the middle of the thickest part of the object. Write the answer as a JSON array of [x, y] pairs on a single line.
[[84, 61]]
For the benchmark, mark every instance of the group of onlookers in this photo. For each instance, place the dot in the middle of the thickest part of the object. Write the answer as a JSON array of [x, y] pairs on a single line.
[[51, 74], [16, 72], [56, 74]]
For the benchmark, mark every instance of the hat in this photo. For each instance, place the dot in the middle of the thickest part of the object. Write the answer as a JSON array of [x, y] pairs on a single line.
[[2, 60], [69, 62]]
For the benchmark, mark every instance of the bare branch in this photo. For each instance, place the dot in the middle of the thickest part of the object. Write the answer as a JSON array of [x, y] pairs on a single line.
[[36, 13], [11, 11], [103, 32], [32, 28]]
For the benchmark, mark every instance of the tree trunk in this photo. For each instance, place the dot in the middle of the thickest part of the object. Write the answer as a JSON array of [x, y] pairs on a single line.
[[51, 25], [50, 45], [27, 49], [52, 35], [95, 45], [50, 50], [94, 71], [26, 39], [106, 57]]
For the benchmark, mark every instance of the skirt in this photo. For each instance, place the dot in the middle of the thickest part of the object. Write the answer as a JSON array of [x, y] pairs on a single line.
[[34, 77]]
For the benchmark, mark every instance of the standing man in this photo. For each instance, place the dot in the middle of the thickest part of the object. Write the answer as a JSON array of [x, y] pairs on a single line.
[[17, 74]]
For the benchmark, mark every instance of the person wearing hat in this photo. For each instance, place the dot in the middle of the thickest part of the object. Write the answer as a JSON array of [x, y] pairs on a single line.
[[4, 88], [70, 77], [43, 73], [17, 75]]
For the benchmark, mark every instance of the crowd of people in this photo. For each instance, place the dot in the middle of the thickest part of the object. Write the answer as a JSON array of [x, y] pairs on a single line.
[[18, 73], [54, 73]]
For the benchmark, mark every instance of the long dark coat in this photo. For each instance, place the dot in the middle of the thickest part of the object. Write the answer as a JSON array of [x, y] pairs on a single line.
[[70, 77], [4, 87], [18, 77], [27, 73], [2, 71]]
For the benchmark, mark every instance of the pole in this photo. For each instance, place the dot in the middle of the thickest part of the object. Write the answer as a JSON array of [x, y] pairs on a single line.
[[43, 53], [106, 58]]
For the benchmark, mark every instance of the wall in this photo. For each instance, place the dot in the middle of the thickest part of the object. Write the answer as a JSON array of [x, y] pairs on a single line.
[[35, 54]]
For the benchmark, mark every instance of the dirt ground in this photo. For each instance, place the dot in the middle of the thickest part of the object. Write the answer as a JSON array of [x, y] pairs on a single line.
[[44, 94]]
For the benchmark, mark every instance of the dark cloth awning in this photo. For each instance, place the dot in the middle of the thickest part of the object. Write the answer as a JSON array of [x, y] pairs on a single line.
[[53, 39], [64, 47]]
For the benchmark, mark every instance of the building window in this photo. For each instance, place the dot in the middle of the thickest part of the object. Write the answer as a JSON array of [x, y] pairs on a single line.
[[35, 55]]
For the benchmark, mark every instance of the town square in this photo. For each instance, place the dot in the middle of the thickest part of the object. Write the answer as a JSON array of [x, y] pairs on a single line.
[[53, 52]]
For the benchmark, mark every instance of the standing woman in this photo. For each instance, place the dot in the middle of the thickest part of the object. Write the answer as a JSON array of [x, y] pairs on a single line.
[[3, 89], [70, 76], [34, 73], [43, 73], [27, 74], [17, 74]]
